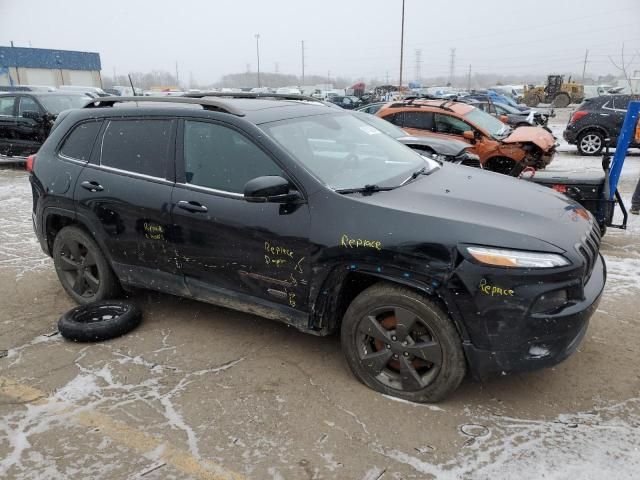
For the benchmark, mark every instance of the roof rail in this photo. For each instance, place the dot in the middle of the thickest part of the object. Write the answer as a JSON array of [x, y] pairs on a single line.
[[411, 103], [206, 104], [277, 96]]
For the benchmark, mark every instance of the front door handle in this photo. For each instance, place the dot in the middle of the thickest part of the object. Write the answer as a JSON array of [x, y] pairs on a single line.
[[192, 206], [92, 186]]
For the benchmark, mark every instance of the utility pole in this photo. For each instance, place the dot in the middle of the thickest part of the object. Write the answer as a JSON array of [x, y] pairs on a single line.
[[418, 65], [452, 66], [401, 48], [469, 79], [302, 62], [387, 77], [328, 78], [584, 67], [114, 76], [177, 77], [258, 55]]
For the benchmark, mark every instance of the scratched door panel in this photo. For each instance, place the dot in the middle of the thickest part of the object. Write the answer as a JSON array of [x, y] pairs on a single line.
[[257, 249]]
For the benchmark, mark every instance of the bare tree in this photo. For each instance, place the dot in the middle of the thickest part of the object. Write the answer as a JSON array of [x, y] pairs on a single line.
[[624, 66]]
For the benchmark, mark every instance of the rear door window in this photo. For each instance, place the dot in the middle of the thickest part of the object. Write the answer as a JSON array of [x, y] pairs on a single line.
[[79, 142], [621, 102], [420, 120], [138, 146]]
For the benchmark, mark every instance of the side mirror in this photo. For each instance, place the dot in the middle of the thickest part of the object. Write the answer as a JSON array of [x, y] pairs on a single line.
[[272, 188], [468, 135], [32, 115]]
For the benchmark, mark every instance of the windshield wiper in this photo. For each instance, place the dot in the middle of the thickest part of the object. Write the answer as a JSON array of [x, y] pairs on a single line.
[[367, 189], [415, 175]]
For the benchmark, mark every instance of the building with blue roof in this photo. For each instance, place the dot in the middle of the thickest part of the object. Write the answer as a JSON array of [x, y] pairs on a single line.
[[41, 66]]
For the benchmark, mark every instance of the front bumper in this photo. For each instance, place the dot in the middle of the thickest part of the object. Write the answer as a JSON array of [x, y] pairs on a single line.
[[549, 338], [569, 135]]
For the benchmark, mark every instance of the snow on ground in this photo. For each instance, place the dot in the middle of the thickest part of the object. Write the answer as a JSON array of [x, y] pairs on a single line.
[[19, 248]]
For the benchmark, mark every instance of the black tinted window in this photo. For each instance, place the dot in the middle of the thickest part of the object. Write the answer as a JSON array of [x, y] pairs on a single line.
[[621, 102], [221, 158], [6, 105], [79, 142], [421, 120], [395, 118], [139, 146]]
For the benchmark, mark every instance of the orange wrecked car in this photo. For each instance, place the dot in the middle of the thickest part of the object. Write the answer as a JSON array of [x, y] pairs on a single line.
[[501, 148]]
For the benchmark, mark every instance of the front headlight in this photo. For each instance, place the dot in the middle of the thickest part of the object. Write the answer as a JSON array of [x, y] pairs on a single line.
[[516, 259]]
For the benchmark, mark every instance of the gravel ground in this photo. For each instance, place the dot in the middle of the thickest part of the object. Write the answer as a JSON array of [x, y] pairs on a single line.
[[203, 392]]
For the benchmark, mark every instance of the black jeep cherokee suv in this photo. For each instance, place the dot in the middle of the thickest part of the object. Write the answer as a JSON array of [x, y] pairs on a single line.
[[597, 119], [305, 214]]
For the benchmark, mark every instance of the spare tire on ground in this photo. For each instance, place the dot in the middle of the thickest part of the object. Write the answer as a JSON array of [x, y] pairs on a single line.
[[99, 321]]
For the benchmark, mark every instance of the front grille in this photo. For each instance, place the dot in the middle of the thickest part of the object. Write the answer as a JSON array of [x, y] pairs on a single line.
[[589, 247]]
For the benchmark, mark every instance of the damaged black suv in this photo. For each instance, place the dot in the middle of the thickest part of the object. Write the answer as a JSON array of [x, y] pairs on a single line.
[[298, 212]]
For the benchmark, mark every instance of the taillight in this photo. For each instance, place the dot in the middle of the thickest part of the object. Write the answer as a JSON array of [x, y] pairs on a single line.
[[577, 116], [31, 160], [560, 188]]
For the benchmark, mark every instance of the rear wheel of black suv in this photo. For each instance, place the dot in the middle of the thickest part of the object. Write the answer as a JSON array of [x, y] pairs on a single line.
[[590, 143], [82, 268], [401, 343]]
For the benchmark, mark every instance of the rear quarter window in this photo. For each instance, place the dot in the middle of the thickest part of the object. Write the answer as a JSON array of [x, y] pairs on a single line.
[[138, 146], [79, 143]]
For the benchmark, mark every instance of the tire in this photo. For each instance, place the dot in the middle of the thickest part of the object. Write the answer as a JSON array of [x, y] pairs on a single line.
[[561, 100], [82, 269], [590, 142], [384, 357], [99, 321], [503, 165]]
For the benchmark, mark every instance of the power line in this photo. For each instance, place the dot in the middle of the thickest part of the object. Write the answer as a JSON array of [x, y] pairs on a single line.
[[401, 47]]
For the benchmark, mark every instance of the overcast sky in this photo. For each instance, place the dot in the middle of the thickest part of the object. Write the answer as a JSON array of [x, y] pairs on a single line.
[[346, 37]]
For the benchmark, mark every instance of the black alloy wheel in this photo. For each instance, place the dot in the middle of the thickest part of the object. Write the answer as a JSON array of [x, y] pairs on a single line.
[[81, 267], [398, 348], [399, 342]]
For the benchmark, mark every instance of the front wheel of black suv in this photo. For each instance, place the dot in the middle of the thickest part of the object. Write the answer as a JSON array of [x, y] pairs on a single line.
[[401, 343], [82, 269]]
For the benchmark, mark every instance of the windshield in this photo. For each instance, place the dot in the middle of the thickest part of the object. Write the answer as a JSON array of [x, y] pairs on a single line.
[[382, 125], [507, 108], [345, 152], [57, 103], [486, 122]]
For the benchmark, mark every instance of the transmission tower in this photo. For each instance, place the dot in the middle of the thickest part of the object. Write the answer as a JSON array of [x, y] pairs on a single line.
[[452, 66]]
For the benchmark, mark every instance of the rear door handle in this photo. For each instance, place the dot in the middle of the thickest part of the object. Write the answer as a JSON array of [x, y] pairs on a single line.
[[192, 206], [92, 186]]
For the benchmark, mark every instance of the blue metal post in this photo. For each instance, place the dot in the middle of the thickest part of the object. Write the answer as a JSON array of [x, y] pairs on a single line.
[[626, 136]]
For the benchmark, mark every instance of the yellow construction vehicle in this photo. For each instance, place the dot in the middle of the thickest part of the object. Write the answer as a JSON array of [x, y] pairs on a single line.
[[556, 92]]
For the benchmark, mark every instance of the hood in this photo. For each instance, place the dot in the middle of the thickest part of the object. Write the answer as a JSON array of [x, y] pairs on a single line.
[[472, 206], [442, 146], [536, 135]]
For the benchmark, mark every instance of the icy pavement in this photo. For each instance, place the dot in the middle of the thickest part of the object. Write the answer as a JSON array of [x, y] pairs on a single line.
[[19, 248], [203, 392]]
